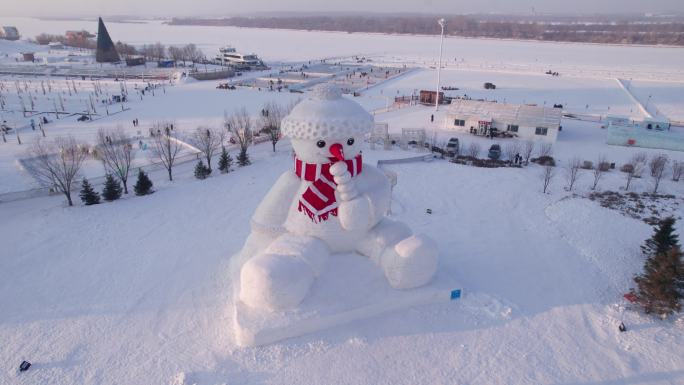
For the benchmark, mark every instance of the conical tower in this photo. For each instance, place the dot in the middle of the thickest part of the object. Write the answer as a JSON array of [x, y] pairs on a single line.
[[106, 51]]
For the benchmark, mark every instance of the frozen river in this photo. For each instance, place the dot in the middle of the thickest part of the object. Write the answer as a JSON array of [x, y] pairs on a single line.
[[639, 62]]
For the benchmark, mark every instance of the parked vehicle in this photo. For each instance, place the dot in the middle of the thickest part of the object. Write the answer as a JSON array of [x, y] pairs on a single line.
[[494, 152], [452, 147], [489, 86]]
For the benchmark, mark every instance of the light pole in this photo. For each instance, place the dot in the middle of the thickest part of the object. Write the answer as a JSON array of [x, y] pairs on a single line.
[[442, 23]]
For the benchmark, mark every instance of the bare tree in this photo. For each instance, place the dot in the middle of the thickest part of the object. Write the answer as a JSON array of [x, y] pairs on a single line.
[[271, 116], [548, 172], [634, 168], [572, 172], [639, 161], [677, 170], [115, 150], [628, 169], [473, 150], [190, 52], [511, 150], [239, 126], [545, 149], [159, 50], [657, 166], [528, 149], [56, 165], [165, 145], [208, 140], [176, 53], [598, 171]]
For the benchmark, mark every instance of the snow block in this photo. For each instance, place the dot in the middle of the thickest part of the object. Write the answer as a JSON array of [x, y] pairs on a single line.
[[351, 288]]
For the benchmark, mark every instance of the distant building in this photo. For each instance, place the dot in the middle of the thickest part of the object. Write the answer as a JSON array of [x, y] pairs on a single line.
[[9, 33], [105, 51], [132, 61], [646, 123], [55, 45], [428, 97], [647, 133], [28, 56], [166, 63], [520, 120]]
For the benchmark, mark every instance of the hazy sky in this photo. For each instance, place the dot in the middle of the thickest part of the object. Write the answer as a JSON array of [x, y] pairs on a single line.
[[229, 7]]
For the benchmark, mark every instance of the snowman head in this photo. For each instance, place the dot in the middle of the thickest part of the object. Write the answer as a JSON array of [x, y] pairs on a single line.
[[327, 127]]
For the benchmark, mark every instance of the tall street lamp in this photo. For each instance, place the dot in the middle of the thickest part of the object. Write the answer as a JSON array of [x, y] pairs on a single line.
[[442, 24]]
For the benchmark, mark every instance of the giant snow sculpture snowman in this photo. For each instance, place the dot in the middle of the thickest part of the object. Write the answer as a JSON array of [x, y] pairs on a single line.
[[328, 202]]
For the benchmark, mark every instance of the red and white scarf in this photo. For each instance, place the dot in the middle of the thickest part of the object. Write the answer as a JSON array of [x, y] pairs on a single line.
[[318, 200]]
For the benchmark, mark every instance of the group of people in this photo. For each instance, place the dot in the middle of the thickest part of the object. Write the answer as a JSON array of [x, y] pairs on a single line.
[[517, 159], [135, 122]]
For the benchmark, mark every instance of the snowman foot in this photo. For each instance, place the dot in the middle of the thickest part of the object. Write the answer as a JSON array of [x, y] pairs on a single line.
[[411, 262], [281, 277]]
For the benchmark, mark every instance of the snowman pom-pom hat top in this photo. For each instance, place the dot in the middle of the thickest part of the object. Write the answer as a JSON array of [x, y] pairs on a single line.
[[326, 114]]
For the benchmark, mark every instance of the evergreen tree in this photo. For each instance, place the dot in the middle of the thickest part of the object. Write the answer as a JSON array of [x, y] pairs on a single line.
[[243, 158], [661, 288], [225, 161], [112, 188], [143, 186], [88, 195], [663, 238], [201, 171]]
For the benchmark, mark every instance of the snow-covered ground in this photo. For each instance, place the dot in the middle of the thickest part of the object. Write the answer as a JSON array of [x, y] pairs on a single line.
[[138, 291]]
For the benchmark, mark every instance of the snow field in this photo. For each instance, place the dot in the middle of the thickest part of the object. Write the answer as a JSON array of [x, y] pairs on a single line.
[[137, 289]]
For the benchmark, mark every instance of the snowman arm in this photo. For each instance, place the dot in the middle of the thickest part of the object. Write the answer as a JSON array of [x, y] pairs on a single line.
[[363, 202], [273, 209], [378, 193]]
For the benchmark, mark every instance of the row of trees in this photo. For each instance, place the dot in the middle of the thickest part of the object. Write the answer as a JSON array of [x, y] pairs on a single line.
[[79, 39], [112, 189], [657, 166], [155, 51], [524, 150], [606, 31], [158, 51], [57, 164]]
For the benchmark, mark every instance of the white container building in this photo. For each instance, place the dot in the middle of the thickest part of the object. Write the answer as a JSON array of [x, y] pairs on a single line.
[[520, 120]]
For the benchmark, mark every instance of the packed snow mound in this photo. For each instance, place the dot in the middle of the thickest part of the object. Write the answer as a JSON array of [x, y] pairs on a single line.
[[330, 202]]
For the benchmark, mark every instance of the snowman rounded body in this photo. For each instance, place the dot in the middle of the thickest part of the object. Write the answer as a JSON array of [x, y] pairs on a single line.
[[372, 185]]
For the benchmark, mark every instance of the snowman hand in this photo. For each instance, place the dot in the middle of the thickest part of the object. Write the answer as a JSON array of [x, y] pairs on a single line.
[[354, 209], [346, 187], [354, 214]]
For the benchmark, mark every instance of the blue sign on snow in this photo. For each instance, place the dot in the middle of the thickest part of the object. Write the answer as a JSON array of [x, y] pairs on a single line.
[[455, 294]]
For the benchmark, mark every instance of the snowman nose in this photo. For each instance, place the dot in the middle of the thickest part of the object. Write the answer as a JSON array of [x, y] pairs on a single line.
[[337, 151]]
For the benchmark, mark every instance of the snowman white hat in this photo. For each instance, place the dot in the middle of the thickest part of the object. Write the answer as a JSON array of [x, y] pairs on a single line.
[[326, 114]]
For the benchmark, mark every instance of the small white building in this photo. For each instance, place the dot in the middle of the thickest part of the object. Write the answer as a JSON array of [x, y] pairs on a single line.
[[647, 133], [520, 120], [55, 45], [645, 123]]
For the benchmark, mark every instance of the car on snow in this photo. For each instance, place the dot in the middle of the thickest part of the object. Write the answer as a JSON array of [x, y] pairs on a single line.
[[494, 152], [452, 147]]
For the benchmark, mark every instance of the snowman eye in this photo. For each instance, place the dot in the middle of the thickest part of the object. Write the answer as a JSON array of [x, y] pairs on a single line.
[[320, 143], [350, 141]]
